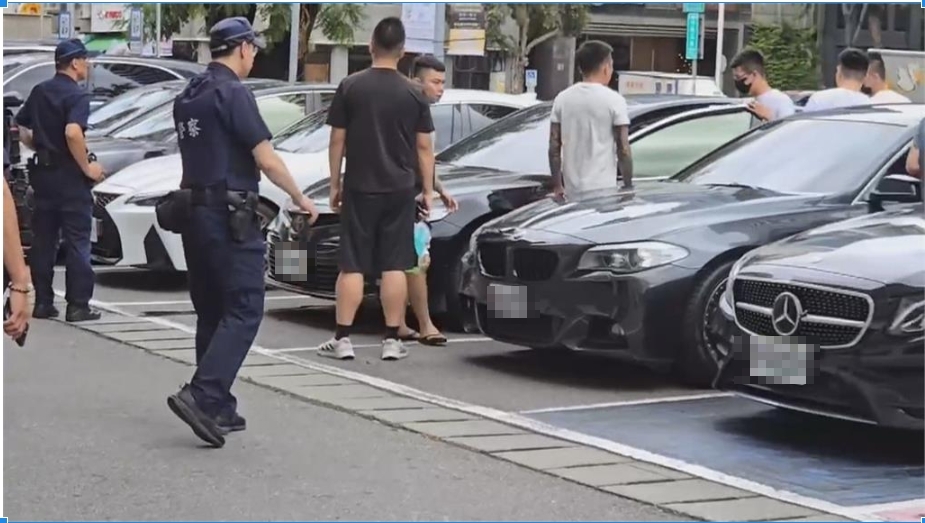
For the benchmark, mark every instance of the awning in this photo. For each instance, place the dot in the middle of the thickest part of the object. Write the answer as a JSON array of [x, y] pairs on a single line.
[[101, 44]]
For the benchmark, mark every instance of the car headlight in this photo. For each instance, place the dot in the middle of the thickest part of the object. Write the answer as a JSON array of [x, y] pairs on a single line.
[[910, 319], [625, 258], [146, 200]]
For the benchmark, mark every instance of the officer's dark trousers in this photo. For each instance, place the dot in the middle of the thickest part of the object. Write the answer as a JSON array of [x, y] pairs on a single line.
[[227, 289], [73, 221]]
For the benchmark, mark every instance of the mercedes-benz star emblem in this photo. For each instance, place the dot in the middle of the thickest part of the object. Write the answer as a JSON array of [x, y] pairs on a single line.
[[786, 314]]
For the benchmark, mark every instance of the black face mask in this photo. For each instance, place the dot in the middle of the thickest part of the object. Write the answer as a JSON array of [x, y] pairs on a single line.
[[742, 87]]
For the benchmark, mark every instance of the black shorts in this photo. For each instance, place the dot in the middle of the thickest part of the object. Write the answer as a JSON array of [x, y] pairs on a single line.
[[377, 232]]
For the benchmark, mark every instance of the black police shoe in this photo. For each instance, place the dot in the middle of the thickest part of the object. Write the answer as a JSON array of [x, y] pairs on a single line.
[[44, 312], [232, 423], [76, 314], [184, 406]]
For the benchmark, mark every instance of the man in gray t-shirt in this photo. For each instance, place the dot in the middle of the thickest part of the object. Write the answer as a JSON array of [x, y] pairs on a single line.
[[589, 131], [749, 75]]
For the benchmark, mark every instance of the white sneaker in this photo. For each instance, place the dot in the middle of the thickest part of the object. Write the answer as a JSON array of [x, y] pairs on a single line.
[[393, 350], [341, 349]]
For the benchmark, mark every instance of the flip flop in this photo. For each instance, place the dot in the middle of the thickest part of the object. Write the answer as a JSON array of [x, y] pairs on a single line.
[[433, 340], [411, 336]]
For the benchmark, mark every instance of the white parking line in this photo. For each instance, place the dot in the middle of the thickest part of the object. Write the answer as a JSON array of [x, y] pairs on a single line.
[[376, 345], [538, 427], [188, 302], [103, 269], [630, 403]]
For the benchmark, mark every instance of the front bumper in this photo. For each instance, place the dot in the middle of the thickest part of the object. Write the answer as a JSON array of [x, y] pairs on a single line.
[[128, 235], [880, 381], [637, 314]]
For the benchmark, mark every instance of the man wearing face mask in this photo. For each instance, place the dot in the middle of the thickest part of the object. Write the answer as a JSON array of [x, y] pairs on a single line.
[[849, 79], [748, 73]]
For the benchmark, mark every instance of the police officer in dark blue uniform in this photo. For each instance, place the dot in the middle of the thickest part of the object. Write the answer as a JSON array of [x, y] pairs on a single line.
[[52, 122], [224, 144]]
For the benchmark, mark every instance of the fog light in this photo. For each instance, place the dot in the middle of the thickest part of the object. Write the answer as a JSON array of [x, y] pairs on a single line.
[[617, 330]]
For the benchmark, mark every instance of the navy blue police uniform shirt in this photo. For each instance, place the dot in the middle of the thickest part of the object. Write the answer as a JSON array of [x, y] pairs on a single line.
[[52, 105], [383, 111], [218, 125]]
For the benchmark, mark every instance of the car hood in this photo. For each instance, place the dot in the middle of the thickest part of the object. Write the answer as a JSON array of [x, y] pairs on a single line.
[[162, 174], [650, 210], [115, 154], [886, 247]]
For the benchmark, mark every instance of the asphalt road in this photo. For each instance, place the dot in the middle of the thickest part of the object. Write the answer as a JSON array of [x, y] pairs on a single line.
[[88, 436]]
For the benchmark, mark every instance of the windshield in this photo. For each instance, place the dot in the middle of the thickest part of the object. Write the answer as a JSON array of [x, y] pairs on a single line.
[[122, 108], [157, 127], [799, 157], [509, 145], [310, 135]]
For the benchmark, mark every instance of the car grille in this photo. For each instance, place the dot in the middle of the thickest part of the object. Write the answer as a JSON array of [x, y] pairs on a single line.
[[529, 264], [534, 264], [322, 269], [108, 242], [832, 318]]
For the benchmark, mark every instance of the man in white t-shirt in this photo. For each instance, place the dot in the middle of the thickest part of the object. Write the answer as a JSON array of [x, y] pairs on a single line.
[[876, 81], [589, 131], [748, 73], [849, 77]]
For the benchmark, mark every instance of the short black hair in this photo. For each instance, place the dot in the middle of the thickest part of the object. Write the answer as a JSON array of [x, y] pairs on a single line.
[[876, 63], [592, 55], [425, 62], [853, 63], [750, 60], [389, 35]]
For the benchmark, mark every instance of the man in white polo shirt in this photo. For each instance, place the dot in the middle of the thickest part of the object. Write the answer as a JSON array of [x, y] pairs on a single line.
[[875, 81], [589, 131]]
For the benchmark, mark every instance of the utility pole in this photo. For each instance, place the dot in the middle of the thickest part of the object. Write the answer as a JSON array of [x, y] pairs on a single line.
[[440, 31], [157, 31], [296, 10], [720, 30]]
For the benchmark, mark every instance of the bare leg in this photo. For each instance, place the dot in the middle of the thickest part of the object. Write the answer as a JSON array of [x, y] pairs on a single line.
[[417, 292], [349, 297], [393, 292]]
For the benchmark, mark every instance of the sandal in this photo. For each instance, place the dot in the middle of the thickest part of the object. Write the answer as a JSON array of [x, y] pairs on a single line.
[[433, 340]]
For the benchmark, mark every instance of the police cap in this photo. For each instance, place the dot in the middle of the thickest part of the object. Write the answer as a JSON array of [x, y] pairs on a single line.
[[70, 50], [232, 32]]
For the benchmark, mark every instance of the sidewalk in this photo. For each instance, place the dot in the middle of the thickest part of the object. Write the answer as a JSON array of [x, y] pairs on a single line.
[[88, 436]]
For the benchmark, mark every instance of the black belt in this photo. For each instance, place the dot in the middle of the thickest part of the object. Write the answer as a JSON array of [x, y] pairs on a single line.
[[213, 196]]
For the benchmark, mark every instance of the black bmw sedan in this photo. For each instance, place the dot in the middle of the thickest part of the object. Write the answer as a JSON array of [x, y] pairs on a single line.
[[493, 171], [641, 272], [830, 321]]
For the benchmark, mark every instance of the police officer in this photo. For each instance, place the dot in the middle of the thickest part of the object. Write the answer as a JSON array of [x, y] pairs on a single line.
[[52, 122], [224, 144]]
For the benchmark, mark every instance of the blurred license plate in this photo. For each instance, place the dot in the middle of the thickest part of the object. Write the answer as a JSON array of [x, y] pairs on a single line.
[[780, 360], [95, 226], [291, 261], [508, 302]]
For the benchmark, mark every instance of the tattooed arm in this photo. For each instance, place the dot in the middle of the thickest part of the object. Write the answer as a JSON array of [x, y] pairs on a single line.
[[555, 157], [624, 154]]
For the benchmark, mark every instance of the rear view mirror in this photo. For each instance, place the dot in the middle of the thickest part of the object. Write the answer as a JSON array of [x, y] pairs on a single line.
[[895, 188]]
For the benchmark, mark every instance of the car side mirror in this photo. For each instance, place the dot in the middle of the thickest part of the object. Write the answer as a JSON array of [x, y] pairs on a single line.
[[895, 188], [12, 99]]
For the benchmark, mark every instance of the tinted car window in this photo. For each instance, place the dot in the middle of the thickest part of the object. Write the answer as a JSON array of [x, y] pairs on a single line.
[[448, 122], [112, 79], [25, 82], [309, 135], [127, 106], [281, 111], [801, 156], [514, 144], [480, 116], [668, 150]]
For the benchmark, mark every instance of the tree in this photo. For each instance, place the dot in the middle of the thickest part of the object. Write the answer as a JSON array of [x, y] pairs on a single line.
[[536, 23], [872, 14], [337, 21]]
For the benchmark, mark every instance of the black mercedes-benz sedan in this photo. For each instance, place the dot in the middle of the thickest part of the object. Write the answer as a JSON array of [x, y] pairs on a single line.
[[641, 272], [832, 321], [491, 172]]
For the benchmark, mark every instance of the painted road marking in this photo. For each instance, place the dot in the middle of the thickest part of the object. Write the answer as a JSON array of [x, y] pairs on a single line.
[[628, 403], [188, 302], [427, 400], [378, 345]]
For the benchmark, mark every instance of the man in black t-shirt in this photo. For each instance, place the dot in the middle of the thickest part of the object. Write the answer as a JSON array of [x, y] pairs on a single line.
[[383, 121]]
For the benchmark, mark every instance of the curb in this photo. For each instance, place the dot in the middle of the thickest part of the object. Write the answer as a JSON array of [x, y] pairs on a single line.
[[483, 430]]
